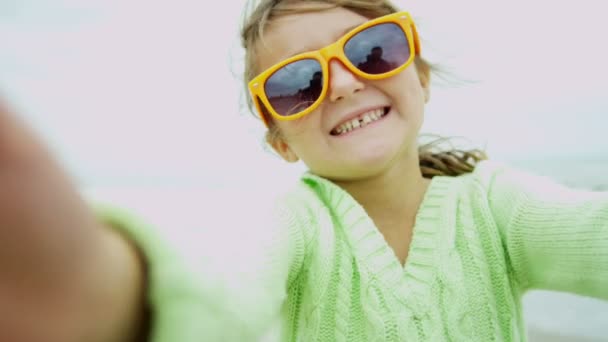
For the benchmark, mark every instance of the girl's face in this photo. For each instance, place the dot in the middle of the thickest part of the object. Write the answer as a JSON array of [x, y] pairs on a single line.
[[363, 152]]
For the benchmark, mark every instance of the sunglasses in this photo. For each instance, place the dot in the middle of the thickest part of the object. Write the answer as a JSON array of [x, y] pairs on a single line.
[[378, 49]]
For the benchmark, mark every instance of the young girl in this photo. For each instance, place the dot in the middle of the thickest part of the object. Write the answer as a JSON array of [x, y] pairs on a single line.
[[382, 240]]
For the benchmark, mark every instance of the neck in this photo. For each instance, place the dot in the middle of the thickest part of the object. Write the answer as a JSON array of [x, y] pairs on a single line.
[[392, 198]]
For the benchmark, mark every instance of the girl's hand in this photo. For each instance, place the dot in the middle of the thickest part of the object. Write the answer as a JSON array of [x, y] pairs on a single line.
[[64, 276]]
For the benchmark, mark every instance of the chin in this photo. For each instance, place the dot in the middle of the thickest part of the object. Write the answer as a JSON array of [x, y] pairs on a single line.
[[364, 166], [363, 163], [376, 154]]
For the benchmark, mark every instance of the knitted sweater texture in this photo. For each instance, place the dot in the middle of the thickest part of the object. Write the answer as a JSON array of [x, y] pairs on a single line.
[[479, 242]]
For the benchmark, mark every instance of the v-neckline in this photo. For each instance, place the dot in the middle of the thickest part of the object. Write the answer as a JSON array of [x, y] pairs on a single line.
[[409, 282]]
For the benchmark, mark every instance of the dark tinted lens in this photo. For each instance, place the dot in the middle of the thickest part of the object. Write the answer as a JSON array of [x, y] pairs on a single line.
[[378, 49], [294, 87]]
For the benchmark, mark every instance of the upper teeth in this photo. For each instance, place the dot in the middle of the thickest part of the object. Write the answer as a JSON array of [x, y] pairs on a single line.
[[360, 121]]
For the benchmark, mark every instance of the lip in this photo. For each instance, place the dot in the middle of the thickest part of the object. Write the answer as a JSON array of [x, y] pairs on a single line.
[[353, 115]]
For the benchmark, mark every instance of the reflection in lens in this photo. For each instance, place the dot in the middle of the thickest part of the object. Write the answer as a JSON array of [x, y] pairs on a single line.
[[378, 49], [294, 87]]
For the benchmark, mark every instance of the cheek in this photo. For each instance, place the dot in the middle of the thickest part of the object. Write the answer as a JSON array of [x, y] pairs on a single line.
[[299, 131], [405, 92]]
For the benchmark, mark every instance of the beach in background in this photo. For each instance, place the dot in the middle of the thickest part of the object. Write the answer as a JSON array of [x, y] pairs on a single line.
[[583, 173]]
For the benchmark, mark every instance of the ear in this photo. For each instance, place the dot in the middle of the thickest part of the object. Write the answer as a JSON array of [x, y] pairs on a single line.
[[424, 75], [281, 147], [425, 82], [427, 92]]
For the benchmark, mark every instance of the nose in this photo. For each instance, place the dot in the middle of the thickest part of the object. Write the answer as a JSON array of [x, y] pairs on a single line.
[[342, 82]]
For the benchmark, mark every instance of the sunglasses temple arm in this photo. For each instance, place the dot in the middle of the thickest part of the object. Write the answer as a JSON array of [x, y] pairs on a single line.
[[416, 37]]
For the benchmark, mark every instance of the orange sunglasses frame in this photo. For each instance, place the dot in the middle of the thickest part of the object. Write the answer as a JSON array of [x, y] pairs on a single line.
[[326, 54]]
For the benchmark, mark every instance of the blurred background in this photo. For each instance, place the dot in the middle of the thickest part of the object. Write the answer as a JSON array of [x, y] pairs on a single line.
[[142, 102]]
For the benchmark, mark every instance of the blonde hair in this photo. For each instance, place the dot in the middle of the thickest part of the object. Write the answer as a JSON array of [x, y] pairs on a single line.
[[434, 160]]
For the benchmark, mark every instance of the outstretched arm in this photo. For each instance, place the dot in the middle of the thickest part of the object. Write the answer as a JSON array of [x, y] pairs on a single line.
[[556, 237], [64, 276]]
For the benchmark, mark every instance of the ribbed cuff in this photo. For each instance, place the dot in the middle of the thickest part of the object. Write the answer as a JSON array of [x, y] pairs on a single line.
[[174, 294]]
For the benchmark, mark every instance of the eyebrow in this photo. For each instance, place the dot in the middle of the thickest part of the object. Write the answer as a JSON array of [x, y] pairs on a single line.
[[306, 49]]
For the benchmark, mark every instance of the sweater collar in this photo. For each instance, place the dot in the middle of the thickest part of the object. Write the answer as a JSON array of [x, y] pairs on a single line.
[[410, 283]]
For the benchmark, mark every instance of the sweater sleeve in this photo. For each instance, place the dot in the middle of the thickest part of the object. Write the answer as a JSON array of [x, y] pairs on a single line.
[[231, 292], [556, 238]]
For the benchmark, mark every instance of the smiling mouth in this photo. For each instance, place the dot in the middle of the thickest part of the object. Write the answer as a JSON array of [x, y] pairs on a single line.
[[360, 122]]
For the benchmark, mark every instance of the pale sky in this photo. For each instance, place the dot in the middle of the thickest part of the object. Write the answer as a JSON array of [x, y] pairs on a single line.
[[136, 92]]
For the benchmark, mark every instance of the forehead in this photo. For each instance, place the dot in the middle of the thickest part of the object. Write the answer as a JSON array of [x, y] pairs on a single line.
[[296, 33]]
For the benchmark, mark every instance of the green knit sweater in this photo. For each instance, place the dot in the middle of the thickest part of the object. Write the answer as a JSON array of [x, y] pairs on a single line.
[[480, 241]]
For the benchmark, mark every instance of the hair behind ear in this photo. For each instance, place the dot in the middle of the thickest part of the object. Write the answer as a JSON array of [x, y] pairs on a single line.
[[423, 68], [272, 134], [275, 139]]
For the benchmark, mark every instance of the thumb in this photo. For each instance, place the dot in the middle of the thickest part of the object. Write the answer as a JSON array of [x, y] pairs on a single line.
[[18, 144]]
